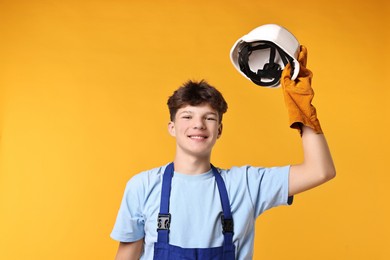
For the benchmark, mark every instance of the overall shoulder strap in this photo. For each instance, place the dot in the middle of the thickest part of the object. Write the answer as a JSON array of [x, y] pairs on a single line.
[[164, 218], [226, 218]]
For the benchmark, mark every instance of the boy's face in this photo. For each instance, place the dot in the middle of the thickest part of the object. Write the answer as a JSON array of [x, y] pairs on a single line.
[[196, 129]]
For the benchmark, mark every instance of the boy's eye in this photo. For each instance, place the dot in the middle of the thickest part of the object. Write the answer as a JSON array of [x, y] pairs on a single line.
[[211, 118], [186, 117]]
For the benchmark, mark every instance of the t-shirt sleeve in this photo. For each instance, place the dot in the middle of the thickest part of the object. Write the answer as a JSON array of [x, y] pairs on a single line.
[[129, 225], [268, 187]]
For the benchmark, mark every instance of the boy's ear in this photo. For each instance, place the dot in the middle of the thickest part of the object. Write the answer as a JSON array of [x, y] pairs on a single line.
[[171, 128], [220, 130]]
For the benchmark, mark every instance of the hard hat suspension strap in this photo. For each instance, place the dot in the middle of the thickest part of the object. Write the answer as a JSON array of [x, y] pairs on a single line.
[[271, 71]]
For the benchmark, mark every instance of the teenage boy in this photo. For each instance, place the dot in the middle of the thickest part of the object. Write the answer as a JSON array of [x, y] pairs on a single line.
[[189, 209]]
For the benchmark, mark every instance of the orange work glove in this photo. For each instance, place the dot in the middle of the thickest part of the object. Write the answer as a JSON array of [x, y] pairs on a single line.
[[298, 95]]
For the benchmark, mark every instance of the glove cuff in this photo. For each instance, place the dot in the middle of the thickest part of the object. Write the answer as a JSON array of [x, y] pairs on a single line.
[[297, 120]]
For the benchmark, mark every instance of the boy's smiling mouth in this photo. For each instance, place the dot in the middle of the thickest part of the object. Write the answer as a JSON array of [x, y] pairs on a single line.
[[198, 137]]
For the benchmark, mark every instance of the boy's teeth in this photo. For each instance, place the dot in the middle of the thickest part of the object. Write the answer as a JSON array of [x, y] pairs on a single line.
[[197, 137]]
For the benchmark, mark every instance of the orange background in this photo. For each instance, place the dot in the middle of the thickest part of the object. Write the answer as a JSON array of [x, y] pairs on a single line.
[[83, 89]]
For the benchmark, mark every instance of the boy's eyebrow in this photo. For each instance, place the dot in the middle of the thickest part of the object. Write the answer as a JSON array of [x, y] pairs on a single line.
[[212, 113], [185, 111]]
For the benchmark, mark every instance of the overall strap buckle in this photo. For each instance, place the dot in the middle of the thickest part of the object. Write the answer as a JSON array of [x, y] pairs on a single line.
[[227, 225], [164, 221]]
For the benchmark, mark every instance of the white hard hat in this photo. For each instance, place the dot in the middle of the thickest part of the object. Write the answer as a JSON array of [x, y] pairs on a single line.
[[262, 54]]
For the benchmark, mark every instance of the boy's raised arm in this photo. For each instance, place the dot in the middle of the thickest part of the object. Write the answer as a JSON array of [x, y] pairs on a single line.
[[317, 166]]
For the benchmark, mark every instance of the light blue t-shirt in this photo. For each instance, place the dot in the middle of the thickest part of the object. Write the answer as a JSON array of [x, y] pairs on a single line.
[[195, 207]]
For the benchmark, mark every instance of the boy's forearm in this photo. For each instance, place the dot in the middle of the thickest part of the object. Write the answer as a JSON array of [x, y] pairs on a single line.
[[317, 166], [316, 153]]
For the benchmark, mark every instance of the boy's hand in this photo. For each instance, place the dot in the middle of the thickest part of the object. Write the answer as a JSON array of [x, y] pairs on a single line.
[[298, 95]]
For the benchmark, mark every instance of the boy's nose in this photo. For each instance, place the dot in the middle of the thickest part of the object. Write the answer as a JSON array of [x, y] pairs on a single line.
[[199, 124]]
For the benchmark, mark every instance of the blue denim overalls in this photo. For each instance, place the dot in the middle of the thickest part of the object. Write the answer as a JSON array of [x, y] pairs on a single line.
[[164, 251]]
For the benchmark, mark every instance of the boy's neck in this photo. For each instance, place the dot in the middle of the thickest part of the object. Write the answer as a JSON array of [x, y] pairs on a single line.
[[191, 165]]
